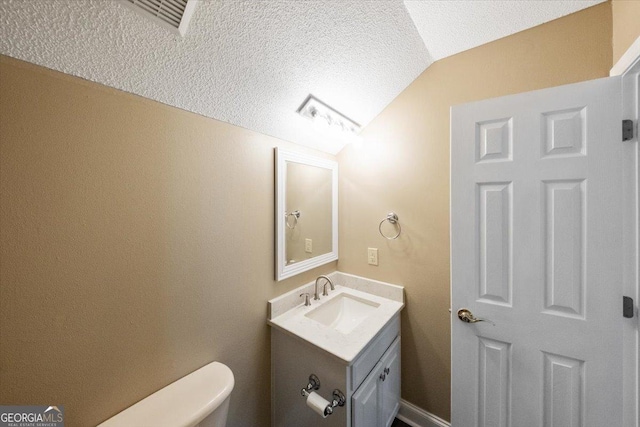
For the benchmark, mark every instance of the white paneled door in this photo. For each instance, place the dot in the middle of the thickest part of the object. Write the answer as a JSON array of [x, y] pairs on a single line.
[[536, 242]]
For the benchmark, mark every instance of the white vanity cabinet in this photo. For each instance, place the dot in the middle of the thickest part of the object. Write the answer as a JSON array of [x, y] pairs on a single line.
[[375, 403], [370, 382]]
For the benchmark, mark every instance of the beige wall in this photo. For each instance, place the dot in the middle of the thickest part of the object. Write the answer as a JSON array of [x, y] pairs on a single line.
[[126, 228], [123, 258], [626, 25], [404, 167]]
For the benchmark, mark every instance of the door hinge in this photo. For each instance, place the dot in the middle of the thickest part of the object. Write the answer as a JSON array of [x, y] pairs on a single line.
[[627, 130], [627, 307]]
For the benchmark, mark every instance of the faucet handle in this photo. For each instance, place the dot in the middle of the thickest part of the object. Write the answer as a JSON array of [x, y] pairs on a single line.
[[307, 298], [324, 289]]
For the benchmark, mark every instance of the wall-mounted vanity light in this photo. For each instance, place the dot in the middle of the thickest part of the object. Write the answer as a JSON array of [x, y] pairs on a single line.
[[325, 116]]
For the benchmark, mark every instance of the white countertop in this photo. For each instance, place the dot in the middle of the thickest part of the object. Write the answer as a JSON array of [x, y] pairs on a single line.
[[345, 346]]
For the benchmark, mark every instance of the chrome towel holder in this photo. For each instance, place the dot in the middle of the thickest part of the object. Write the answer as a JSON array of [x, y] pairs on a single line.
[[392, 218], [295, 214]]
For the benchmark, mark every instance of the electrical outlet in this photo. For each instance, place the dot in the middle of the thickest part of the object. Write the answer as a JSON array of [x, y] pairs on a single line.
[[308, 245], [372, 256]]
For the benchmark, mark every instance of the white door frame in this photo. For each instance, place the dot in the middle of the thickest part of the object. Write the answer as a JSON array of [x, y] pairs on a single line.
[[629, 68]]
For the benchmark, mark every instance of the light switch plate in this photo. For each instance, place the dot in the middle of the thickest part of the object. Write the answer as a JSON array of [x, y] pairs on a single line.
[[308, 245], [372, 256]]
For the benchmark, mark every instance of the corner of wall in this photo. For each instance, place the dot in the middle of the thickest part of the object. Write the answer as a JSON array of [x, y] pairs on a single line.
[[625, 16]]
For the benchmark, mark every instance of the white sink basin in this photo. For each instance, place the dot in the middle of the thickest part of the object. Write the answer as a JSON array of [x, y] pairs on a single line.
[[344, 312]]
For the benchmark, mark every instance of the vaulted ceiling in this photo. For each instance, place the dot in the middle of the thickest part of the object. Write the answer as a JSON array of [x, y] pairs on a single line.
[[252, 63]]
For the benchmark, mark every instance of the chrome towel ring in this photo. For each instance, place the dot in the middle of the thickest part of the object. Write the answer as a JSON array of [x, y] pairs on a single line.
[[393, 219], [295, 214]]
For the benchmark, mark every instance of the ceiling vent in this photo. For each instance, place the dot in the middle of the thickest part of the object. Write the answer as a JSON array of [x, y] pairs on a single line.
[[172, 14]]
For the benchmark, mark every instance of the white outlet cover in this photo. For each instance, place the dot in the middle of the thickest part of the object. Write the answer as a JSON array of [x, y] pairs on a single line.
[[372, 256]]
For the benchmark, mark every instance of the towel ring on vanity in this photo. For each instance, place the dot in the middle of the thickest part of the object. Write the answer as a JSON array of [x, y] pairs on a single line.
[[393, 219], [295, 214]]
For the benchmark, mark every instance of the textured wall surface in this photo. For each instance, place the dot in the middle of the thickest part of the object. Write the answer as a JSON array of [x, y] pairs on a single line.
[[626, 25], [249, 63], [403, 166], [136, 245]]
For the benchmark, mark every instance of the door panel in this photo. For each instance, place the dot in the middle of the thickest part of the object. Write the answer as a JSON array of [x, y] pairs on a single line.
[[494, 375], [564, 236], [536, 243], [494, 252], [563, 391], [365, 401]]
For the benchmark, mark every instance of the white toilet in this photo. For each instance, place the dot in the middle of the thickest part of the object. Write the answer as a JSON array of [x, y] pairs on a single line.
[[201, 399]]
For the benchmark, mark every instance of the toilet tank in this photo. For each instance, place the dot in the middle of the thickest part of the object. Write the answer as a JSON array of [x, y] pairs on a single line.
[[199, 399]]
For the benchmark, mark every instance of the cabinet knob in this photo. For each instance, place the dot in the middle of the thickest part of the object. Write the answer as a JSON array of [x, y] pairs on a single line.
[[383, 376], [386, 371]]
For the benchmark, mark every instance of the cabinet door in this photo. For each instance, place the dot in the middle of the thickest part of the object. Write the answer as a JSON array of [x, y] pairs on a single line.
[[365, 405], [389, 390]]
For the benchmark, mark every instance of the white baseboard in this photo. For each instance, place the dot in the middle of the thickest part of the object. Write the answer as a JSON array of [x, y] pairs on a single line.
[[418, 417]]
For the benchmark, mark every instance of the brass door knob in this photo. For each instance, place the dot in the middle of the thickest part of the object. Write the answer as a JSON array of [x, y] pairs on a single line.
[[466, 316]]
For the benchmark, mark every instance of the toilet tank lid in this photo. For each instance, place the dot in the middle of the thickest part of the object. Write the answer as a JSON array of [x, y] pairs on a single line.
[[183, 403]]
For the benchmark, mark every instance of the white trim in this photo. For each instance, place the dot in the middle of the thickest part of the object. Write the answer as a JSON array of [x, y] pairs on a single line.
[[418, 417], [626, 61], [282, 157], [629, 65], [186, 16]]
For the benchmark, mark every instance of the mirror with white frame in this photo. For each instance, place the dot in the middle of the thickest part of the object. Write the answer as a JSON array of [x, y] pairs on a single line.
[[306, 212]]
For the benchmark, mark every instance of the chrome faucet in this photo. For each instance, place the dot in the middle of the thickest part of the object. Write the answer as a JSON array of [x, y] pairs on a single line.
[[316, 296]]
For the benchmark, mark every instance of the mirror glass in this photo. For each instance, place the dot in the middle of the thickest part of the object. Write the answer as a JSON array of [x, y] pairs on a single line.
[[306, 212]]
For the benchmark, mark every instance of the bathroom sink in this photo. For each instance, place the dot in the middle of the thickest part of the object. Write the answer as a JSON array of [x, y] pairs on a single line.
[[345, 322], [343, 312]]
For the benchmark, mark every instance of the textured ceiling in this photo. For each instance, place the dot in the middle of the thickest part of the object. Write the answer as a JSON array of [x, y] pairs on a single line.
[[252, 63], [448, 27]]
